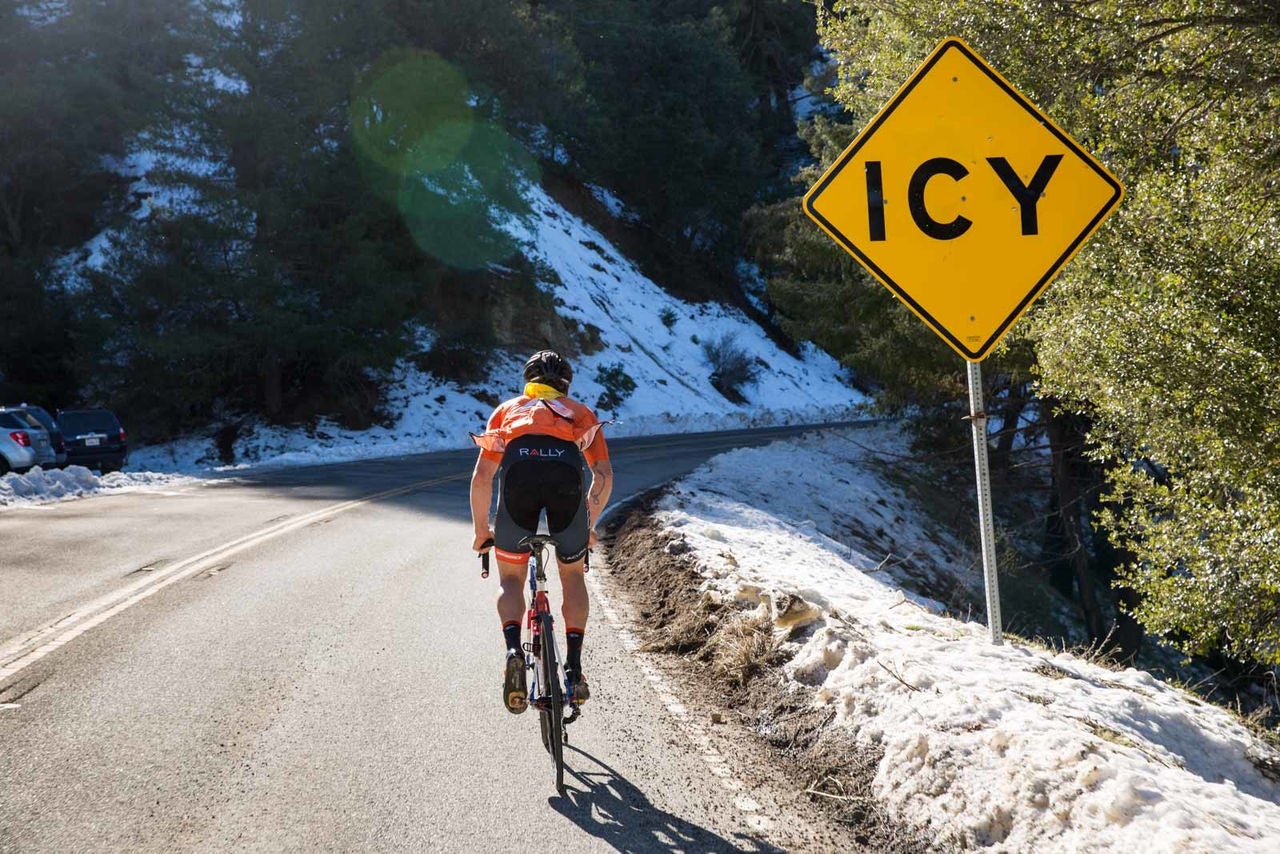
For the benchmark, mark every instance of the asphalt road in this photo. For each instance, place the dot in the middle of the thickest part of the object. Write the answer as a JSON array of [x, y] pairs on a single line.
[[307, 659]]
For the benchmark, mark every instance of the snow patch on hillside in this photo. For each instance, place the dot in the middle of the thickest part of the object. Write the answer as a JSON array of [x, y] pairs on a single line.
[[44, 12], [163, 171], [1008, 747], [652, 337]]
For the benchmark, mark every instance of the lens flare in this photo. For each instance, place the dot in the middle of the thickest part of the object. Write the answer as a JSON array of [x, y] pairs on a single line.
[[406, 98], [454, 175], [455, 213]]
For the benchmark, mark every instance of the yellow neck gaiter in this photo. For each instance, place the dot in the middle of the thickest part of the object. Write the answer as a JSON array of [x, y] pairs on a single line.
[[541, 391]]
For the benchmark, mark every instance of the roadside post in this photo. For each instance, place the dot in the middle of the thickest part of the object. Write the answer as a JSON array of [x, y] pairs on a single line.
[[964, 200]]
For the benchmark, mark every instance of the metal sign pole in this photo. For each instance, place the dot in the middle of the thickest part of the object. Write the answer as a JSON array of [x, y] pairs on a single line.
[[978, 416]]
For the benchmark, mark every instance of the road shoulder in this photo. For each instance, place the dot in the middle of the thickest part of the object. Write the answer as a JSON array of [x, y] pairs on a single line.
[[725, 667]]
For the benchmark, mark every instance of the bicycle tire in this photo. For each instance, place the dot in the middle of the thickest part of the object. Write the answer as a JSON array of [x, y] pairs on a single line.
[[546, 702], [553, 719], [543, 689]]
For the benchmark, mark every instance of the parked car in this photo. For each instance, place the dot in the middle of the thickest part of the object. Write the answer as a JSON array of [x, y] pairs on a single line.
[[24, 443], [50, 425], [94, 439]]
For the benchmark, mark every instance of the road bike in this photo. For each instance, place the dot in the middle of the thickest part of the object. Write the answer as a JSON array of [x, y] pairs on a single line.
[[549, 688]]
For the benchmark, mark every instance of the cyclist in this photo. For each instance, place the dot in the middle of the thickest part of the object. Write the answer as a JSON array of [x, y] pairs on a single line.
[[541, 445]]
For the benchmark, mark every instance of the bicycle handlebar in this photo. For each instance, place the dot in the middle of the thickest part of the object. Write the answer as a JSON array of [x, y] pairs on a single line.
[[535, 540]]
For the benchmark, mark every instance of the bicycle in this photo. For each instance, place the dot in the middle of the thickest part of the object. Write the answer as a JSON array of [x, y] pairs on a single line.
[[549, 690]]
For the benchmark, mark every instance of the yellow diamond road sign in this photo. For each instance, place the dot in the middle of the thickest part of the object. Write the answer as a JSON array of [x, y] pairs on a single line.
[[963, 198]]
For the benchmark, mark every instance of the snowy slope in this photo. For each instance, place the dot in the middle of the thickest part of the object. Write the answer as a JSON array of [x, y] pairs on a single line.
[[1010, 747], [656, 339], [593, 284]]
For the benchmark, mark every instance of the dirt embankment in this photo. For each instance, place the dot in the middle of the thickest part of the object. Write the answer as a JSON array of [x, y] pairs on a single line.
[[730, 665]]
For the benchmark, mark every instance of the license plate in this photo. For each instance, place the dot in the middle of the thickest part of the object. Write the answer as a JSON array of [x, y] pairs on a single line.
[[91, 443]]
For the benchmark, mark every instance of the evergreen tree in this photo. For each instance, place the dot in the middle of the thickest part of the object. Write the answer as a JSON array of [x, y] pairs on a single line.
[[330, 173], [73, 88], [1163, 334]]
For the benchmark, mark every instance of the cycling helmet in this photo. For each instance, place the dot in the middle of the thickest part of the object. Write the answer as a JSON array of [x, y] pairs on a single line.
[[550, 368]]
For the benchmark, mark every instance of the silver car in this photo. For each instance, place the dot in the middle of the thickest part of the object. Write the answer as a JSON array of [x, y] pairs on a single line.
[[24, 442]]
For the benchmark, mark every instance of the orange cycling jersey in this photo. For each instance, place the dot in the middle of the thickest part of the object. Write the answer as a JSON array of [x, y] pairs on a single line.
[[542, 415]]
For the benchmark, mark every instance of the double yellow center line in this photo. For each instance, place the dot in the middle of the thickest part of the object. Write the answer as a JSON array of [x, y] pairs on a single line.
[[26, 650]]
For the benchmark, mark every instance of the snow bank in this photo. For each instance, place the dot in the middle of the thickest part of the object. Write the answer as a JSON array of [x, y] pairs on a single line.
[[1008, 747], [40, 487], [42, 13]]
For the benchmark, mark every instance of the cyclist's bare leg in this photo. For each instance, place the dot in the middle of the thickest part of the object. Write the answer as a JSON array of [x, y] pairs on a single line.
[[573, 587], [511, 581], [512, 578]]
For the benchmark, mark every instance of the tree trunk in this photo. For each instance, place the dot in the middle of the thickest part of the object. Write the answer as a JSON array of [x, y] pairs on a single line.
[[272, 386], [1002, 453], [1126, 639], [1054, 548], [1129, 632], [1065, 442], [12, 223]]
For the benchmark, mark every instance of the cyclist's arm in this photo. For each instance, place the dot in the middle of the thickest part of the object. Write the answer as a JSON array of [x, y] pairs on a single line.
[[482, 498], [601, 487]]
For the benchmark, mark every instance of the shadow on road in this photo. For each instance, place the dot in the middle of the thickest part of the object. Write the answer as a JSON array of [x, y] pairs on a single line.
[[616, 812]]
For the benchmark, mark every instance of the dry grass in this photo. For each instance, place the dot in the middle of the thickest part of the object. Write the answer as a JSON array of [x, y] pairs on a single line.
[[744, 647], [1052, 671], [1266, 755], [692, 622]]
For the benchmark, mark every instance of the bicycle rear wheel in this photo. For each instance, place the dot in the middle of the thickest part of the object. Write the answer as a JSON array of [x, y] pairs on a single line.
[[552, 718]]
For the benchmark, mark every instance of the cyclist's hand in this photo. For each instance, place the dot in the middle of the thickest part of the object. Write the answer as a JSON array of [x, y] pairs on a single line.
[[593, 539], [483, 541]]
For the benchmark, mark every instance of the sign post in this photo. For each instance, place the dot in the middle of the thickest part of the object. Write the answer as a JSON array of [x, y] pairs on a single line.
[[978, 418], [964, 200]]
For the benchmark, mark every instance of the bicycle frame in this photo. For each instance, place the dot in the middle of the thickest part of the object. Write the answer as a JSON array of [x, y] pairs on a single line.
[[545, 695], [539, 605], [540, 696]]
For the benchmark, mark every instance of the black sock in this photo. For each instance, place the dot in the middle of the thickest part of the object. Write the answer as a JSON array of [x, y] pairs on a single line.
[[573, 661], [511, 633]]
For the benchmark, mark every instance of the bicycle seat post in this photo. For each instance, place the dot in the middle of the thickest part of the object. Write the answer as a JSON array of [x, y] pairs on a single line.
[[535, 572], [537, 544]]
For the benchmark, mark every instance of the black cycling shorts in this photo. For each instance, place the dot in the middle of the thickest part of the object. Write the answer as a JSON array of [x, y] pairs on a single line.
[[541, 473]]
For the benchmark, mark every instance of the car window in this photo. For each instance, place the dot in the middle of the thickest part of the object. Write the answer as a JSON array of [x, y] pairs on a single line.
[[45, 419], [88, 422], [9, 421], [27, 419]]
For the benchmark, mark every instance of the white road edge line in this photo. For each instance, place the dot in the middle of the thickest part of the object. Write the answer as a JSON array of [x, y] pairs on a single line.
[[27, 649], [694, 731]]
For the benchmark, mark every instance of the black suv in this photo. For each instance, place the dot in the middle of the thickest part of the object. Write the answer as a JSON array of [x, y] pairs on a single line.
[[94, 439]]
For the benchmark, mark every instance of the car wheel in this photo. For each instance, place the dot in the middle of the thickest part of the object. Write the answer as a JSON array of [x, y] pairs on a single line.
[[4, 466]]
